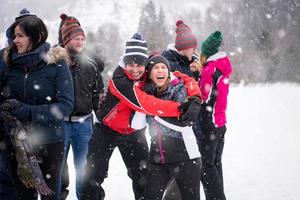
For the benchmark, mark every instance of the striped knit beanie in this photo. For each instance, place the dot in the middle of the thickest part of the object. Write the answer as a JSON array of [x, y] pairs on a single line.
[[136, 50], [69, 28], [195, 57], [185, 38]]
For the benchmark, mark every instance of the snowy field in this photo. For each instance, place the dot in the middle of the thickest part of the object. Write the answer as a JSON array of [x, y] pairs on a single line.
[[262, 147]]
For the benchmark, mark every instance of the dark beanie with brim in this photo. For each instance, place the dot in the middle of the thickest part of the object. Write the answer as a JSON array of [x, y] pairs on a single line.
[[211, 45], [155, 60], [136, 50]]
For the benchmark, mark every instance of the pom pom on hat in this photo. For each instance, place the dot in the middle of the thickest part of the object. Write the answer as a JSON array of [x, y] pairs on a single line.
[[136, 50], [185, 38], [63, 16], [23, 13], [211, 45], [137, 36], [179, 22]]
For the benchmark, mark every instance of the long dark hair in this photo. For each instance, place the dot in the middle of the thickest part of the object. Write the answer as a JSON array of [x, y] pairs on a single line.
[[33, 27]]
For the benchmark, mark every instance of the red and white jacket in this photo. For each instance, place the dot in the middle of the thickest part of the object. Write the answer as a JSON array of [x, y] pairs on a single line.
[[124, 97], [214, 86]]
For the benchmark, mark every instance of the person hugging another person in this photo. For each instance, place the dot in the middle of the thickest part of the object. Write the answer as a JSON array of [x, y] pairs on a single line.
[[120, 109], [173, 151], [214, 86]]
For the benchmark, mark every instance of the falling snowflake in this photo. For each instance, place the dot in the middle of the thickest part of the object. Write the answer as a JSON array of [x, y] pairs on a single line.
[[226, 81], [281, 33], [48, 176], [239, 49], [56, 112], [232, 53], [209, 108], [268, 16], [48, 98], [36, 87]]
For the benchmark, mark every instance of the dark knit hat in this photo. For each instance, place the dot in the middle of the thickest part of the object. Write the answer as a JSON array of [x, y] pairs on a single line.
[[155, 59], [211, 45], [185, 38], [69, 28], [23, 13], [136, 50]]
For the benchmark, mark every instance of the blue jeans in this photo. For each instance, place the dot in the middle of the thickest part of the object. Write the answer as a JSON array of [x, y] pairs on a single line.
[[78, 134]]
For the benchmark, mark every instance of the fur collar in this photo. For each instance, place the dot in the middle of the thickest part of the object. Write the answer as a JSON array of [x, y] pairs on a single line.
[[57, 54]]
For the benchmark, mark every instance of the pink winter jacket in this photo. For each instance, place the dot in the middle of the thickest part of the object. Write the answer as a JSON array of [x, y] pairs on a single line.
[[216, 104]]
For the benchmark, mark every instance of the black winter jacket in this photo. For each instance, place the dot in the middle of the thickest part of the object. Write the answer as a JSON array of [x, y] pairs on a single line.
[[178, 62], [88, 84]]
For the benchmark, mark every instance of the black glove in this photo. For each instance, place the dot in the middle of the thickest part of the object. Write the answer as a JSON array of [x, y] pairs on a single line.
[[150, 88], [189, 110], [19, 110], [10, 104]]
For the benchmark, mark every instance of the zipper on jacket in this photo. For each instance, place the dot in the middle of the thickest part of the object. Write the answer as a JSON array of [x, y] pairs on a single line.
[[161, 153], [25, 80]]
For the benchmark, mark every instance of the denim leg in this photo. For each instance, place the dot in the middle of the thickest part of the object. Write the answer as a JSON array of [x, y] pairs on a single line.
[[79, 144]]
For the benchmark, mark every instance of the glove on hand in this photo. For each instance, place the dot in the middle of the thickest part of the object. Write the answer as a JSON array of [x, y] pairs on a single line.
[[10, 104], [189, 110], [17, 109]]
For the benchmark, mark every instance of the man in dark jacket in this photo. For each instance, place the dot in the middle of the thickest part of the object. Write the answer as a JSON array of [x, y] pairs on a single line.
[[88, 84]]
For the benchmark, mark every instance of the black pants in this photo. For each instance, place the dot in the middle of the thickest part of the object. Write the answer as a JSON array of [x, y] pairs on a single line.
[[186, 174], [134, 152], [50, 158], [211, 149], [172, 191]]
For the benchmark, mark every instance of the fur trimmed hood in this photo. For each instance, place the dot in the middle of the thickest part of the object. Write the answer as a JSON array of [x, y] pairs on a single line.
[[56, 54]]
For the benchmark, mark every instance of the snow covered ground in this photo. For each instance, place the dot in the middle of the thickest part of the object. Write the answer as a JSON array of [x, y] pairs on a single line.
[[262, 147]]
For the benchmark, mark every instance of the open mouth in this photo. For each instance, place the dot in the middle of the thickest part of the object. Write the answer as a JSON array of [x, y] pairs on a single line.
[[160, 77]]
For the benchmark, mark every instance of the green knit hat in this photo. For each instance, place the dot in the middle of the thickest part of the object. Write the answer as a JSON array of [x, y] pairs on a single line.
[[211, 45]]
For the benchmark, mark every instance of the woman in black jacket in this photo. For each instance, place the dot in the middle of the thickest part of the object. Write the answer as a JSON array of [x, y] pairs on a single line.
[[36, 84]]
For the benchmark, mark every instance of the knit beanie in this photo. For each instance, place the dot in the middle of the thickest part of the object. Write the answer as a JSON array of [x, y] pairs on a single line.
[[69, 28], [185, 38], [211, 45], [153, 60], [136, 50], [23, 13], [195, 57]]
